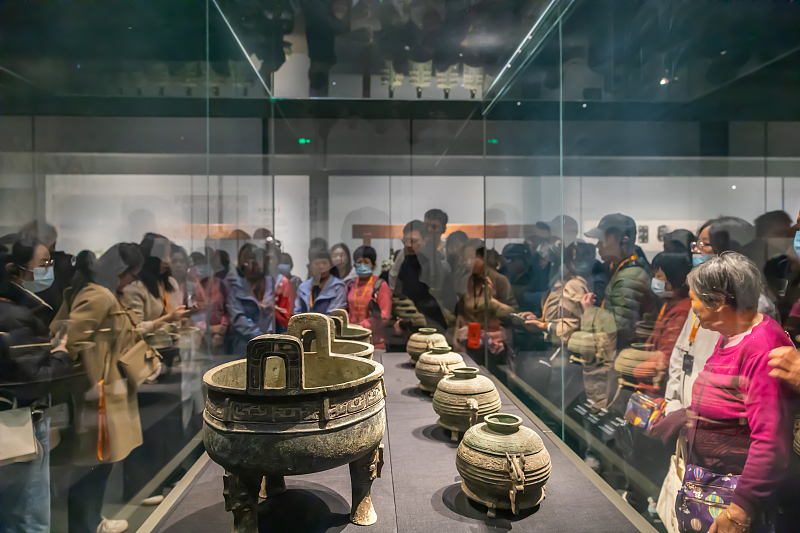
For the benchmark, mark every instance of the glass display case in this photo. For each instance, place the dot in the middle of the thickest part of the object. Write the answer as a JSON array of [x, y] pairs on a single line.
[[544, 180]]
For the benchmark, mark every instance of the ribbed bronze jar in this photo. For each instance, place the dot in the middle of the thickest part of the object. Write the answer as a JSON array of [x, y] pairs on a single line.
[[464, 399], [422, 341], [503, 464], [435, 364]]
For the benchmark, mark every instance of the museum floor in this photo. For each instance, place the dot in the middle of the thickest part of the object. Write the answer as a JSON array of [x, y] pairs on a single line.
[[419, 489]]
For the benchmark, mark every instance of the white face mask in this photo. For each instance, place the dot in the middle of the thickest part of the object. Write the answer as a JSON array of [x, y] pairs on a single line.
[[659, 288]]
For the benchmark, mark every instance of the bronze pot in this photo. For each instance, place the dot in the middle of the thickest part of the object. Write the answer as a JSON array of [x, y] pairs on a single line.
[[503, 465], [434, 365], [285, 411], [464, 399], [422, 341]]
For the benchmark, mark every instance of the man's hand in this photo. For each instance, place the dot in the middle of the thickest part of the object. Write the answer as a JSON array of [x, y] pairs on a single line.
[[588, 300], [785, 363]]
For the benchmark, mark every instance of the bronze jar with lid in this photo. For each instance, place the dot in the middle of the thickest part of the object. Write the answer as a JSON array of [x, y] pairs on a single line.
[[422, 341], [503, 465], [435, 364], [464, 399]]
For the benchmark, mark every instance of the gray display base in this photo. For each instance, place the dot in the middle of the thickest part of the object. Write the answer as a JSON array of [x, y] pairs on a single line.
[[420, 489]]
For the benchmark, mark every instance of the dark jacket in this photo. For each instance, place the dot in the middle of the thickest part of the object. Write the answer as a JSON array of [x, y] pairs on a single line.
[[21, 361], [628, 298]]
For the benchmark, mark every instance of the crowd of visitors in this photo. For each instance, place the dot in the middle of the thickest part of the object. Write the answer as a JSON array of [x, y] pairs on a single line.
[[688, 349]]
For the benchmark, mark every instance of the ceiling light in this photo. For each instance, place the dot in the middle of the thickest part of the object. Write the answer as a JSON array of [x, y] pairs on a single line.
[[664, 81], [519, 103], [723, 52], [584, 105], [733, 187]]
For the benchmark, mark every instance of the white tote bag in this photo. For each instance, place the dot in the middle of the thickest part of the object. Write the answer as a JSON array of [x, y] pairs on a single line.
[[669, 491], [17, 442]]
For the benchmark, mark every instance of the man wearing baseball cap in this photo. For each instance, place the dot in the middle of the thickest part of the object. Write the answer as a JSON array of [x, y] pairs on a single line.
[[628, 295]]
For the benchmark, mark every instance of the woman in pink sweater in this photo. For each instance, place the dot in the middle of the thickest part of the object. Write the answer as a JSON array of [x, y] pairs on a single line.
[[744, 416]]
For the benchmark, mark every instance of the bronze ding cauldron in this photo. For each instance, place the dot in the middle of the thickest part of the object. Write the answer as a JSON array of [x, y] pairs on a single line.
[[347, 331], [284, 411]]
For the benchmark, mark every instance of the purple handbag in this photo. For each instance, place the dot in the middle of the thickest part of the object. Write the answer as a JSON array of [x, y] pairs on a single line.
[[703, 496]]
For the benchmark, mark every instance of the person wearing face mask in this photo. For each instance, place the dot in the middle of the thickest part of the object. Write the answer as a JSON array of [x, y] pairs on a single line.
[[285, 268], [93, 312], [30, 271], [668, 284], [210, 297], [321, 293], [369, 299], [25, 486], [251, 302]]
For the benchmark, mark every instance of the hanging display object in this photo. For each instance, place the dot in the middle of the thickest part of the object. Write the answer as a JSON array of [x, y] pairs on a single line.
[[503, 465], [285, 411], [436, 364], [347, 331], [423, 340], [464, 399]]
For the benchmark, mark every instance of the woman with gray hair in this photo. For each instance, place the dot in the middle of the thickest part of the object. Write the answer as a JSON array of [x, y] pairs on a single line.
[[743, 419]]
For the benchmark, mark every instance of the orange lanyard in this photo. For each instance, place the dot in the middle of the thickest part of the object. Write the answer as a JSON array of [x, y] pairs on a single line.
[[359, 297], [165, 299], [631, 258], [661, 313], [695, 327], [311, 299]]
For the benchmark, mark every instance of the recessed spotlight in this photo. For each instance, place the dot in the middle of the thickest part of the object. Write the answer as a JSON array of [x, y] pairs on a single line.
[[334, 83], [664, 81], [519, 103], [584, 105], [130, 27], [460, 55], [733, 187], [408, 47], [723, 52]]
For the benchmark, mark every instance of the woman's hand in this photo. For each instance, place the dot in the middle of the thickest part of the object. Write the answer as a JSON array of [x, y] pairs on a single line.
[[588, 300], [178, 313], [785, 363], [723, 524]]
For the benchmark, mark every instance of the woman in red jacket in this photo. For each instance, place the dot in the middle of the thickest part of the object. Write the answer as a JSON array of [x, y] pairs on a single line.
[[369, 298], [669, 284]]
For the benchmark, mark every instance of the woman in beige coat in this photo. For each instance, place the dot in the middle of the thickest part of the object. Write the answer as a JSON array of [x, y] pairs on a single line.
[[106, 420]]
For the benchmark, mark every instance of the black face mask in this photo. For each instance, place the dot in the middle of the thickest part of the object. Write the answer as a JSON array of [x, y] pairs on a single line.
[[582, 266]]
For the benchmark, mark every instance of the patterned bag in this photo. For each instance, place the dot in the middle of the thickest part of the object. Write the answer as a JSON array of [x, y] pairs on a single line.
[[702, 497], [644, 411]]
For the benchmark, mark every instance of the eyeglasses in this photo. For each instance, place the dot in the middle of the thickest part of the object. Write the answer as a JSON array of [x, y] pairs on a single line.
[[46, 264], [699, 246]]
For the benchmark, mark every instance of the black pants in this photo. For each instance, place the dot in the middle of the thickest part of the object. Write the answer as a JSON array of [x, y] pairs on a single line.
[[85, 499]]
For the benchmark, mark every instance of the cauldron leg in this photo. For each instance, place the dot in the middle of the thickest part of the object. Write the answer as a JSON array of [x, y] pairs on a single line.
[[241, 498], [272, 486], [363, 472]]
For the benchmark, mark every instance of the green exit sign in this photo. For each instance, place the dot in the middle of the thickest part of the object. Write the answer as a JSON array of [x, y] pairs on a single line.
[[492, 141], [304, 141]]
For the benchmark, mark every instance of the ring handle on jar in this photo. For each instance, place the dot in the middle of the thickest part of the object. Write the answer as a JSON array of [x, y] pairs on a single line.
[[268, 347], [320, 326], [472, 405]]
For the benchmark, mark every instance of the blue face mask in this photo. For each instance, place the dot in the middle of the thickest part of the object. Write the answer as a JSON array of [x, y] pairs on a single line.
[[363, 270], [797, 243], [660, 288], [700, 258], [42, 279], [285, 270]]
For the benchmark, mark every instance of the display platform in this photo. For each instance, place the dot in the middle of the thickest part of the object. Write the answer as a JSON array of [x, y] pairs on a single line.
[[419, 490]]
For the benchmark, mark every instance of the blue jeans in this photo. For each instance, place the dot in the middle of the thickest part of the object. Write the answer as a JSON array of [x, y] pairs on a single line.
[[25, 488]]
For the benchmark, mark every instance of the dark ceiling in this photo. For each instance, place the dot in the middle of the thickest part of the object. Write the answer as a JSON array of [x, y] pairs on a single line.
[[720, 54]]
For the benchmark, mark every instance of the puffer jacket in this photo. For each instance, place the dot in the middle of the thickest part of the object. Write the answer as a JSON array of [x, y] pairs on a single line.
[[628, 298]]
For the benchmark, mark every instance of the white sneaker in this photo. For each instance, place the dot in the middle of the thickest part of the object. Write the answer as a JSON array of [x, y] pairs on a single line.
[[112, 526], [153, 500]]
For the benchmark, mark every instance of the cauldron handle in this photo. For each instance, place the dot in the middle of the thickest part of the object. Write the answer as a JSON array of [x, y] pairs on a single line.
[[338, 323], [341, 313], [287, 348], [320, 324]]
